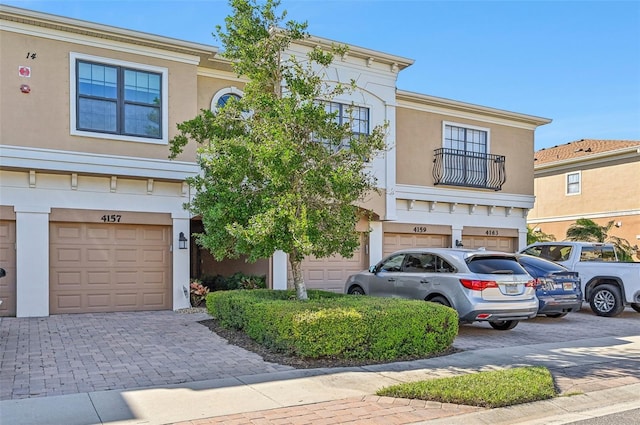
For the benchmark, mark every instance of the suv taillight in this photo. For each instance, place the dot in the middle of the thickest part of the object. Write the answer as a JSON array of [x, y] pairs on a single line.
[[478, 285]]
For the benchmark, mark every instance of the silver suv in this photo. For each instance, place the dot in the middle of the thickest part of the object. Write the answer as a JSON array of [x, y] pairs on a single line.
[[480, 285]]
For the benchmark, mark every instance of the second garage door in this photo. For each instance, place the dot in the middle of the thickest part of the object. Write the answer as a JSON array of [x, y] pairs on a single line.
[[490, 243], [396, 241], [105, 267]]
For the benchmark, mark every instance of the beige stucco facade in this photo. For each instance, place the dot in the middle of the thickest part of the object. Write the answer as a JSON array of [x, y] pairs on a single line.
[[70, 195], [607, 190]]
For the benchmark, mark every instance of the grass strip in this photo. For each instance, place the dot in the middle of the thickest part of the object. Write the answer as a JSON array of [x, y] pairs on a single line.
[[484, 389]]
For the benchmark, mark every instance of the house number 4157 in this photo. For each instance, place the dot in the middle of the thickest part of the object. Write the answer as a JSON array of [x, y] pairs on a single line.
[[112, 218]]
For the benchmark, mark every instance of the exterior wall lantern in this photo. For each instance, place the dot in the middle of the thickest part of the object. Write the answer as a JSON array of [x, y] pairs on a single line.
[[182, 241]]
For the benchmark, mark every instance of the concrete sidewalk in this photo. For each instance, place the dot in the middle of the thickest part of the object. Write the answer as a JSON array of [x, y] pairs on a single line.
[[603, 369]]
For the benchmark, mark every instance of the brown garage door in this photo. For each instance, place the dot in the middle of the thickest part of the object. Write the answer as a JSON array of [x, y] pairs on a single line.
[[330, 274], [8, 263], [490, 243], [109, 267], [396, 241]]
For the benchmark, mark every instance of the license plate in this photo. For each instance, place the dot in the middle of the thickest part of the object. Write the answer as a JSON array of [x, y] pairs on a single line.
[[567, 286], [511, 289]]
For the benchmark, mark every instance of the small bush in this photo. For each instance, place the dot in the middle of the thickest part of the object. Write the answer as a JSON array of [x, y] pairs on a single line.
[[198, 292], [337, 325]]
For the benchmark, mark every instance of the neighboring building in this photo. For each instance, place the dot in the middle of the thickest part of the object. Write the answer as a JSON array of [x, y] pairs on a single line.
[[594, 179], [91, 215]]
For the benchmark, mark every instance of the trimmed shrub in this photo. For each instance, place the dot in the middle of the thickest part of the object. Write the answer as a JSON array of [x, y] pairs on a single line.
[[337, 325]]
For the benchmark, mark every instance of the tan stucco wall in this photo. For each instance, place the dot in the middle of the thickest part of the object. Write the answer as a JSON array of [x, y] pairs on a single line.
[[419, 133], [603, 189], [41, 118]]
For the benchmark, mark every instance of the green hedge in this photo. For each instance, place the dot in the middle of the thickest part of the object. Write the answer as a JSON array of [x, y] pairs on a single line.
[[336, 325]]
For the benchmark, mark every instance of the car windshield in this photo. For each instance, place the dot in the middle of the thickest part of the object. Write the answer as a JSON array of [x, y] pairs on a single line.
[[495, 265], [542, 265]]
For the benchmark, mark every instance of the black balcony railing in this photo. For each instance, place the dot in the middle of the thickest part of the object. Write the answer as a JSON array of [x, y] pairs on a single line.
[[455, 167]]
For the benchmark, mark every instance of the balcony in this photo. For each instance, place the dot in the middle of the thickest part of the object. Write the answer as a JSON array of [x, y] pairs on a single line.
[[454, 167]]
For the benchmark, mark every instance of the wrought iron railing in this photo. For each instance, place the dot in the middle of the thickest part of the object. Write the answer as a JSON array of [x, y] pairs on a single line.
[[455, 167]]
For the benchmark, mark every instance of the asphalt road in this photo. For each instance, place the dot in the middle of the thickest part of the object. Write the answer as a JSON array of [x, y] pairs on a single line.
[[542, 329], [627, 417]]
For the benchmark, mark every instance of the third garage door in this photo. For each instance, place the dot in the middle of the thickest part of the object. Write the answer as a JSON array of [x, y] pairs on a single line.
[[105, 267]]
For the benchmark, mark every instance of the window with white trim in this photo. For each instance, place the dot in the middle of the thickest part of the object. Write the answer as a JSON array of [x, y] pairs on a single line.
[[469, 147], [356, 117], [573, 183], [222, 97], [118, 100]]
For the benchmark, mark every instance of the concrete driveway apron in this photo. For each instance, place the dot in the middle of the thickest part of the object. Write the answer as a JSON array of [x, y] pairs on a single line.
[[75, 353]]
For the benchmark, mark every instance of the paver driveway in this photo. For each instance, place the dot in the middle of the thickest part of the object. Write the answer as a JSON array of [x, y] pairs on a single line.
[[73, 353]]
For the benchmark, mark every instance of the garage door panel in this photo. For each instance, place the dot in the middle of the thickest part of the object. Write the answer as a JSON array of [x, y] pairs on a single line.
[[397, 241], [8, 263], [114, 268], [490, 243], [331, 273], [150, 255]]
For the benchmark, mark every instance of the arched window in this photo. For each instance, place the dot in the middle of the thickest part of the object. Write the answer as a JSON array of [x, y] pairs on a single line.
[[222, 97]]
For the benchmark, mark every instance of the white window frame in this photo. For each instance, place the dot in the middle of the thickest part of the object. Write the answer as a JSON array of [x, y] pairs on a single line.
[[222, 92], [73, 57], [470, 127], [566, 183]]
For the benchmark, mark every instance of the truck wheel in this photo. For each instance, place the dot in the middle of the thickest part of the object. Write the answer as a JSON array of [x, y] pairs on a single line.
[[636, 307], [606, 301], [504, 325]]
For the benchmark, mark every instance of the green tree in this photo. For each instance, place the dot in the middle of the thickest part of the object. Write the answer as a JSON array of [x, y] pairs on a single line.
[[538, 236], [279, 170], [588, 230]]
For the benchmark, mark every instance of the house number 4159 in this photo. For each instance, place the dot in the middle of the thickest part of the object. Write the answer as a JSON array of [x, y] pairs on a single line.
[[113, 218]]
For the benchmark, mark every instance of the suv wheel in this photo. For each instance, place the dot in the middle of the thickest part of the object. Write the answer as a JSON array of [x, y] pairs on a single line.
[[636, 307], [440, 300], [504, 325], [356, 290], [606, 301]]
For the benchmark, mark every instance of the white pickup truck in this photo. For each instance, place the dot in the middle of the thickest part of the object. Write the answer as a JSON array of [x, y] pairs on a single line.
[[608, 285]]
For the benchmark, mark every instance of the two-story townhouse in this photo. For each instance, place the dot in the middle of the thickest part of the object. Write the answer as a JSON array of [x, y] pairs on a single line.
[[594, 179], [91, 212]]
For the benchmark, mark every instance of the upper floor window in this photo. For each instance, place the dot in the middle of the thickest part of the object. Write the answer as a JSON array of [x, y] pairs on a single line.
[[468, 154], [573, 183], [356, 117], [118, 100], [468, 140], [222, 97]]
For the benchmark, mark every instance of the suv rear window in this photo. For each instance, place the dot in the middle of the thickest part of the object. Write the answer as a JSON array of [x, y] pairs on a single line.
[[495, 265]]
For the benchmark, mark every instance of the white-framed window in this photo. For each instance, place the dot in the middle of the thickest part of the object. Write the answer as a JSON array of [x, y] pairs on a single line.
[[573, 183], [222, 96], [118, 100], [467, 148], [355, 116]]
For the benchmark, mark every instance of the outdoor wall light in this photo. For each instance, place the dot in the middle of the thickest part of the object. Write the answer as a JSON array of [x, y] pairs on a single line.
[[182, 241]]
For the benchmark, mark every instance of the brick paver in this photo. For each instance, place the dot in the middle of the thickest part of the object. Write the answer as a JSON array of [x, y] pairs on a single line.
[[72, 353], [368, 409]]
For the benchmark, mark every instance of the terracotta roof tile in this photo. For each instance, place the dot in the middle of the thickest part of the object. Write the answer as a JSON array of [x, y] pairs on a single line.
[[581, 148]]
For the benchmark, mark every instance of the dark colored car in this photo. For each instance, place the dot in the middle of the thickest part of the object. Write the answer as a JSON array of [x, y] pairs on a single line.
[[557, 288]]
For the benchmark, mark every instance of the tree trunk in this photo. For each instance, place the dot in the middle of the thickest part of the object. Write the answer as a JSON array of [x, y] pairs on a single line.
[[298, 278]]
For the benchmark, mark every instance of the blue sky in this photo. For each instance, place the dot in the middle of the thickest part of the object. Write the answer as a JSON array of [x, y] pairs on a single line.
[[576, 62]]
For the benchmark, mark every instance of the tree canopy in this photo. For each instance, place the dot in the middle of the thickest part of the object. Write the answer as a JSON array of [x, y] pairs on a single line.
[[280, 169], [588, 230]]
